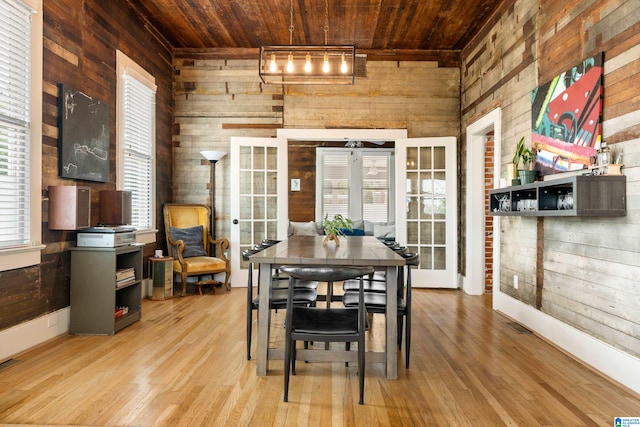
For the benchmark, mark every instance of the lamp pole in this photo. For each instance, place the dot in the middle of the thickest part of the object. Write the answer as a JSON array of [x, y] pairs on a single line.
[[213, 157]]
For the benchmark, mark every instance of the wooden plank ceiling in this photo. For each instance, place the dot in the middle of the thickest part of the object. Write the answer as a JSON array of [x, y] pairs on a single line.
[[382, 25]]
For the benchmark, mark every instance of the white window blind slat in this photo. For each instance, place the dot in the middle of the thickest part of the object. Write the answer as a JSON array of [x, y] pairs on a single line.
[[15, 89], [139, 105], [356, 184], [375, 188], [335, 184]]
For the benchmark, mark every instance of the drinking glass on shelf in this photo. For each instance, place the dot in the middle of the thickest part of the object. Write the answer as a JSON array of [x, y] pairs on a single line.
[[568, 200]]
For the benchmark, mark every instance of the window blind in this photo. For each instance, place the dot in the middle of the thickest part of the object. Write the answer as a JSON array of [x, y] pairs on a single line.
[[138, 128], [335, 184], [15, 94], [356, 183], [375, 188]]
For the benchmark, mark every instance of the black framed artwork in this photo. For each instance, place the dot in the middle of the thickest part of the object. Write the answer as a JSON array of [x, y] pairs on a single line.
[[83, 136]]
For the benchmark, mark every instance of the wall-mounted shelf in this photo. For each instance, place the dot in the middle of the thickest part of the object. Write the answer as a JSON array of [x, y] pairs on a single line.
[[579, 195]]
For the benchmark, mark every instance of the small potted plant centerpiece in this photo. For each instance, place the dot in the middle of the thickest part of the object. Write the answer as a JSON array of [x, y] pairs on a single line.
[[333, 228], [526, 156]]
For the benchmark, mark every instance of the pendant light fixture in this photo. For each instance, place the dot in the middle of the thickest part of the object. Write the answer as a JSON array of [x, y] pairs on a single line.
[[307, 65]]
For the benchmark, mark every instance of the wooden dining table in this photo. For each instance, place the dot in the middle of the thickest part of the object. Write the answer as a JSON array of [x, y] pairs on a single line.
[[309, 250]]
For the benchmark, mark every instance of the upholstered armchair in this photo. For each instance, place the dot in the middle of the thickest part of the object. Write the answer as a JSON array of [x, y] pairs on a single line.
[[195, 252]]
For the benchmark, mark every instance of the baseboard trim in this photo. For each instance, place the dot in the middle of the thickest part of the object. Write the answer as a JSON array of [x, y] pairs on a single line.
[[29, 334], [604, 358]]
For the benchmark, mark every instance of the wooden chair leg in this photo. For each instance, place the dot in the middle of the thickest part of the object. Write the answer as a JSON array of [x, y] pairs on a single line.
[[183, 276], [227, 285]]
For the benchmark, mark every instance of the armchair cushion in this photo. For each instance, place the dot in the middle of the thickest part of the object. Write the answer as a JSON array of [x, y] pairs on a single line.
[[199, 263], [192, 238]]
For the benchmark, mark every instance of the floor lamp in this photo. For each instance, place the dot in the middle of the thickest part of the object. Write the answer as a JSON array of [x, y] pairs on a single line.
[[213, 157]]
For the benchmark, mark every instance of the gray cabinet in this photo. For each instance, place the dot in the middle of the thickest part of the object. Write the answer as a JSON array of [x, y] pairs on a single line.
[[580, 195], [95, 293]]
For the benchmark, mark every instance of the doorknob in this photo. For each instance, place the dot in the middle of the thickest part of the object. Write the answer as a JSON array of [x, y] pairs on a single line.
[[235, 222]]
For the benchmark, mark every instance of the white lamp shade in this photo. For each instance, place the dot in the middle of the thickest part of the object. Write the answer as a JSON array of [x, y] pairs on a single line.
[[213, 156]]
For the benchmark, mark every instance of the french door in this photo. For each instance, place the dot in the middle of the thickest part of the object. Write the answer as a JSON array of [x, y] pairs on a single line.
[[426, 201], [258, 196], [426, 208]]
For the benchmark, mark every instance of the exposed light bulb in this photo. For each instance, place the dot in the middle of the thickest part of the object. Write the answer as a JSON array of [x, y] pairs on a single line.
[[343, 65], [272, 63], [325, 64], [290, 63], [307, 64]]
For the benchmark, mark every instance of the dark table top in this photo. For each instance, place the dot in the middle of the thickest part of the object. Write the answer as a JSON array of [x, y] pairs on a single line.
[[353, 250]]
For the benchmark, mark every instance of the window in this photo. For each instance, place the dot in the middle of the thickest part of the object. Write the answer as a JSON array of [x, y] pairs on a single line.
[[136, 143], [20, 132], [356, 183]]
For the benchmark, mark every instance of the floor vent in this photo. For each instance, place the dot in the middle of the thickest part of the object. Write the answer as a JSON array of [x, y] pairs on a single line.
[[8, 363], [518, 328]]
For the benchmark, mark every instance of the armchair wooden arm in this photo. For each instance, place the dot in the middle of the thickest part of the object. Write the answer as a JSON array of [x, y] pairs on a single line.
[[220, 247]]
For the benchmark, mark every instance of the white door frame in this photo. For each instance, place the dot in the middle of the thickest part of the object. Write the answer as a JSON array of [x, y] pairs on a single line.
[[336, 135], [283, 136], [473, 282]]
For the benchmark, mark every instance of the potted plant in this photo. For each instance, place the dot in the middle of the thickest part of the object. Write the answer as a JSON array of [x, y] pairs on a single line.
[[525, 156], [333, 228]]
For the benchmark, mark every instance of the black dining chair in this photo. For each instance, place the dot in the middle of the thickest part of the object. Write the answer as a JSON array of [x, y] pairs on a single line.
[[305, 294], [376, 302], [280, 280], [375, 282], [320, 324]]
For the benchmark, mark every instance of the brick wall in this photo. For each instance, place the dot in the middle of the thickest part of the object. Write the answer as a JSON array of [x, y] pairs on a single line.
[[488, 219]]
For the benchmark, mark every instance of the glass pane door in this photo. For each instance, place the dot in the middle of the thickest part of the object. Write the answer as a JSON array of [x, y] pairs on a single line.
[[255, 186], [427, 214]]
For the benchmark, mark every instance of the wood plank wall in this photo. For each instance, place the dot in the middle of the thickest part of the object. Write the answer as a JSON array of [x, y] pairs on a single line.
[[217, 99], [80, 42], [589, 266]]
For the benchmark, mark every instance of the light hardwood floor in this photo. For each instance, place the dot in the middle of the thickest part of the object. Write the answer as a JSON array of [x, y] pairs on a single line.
[[184, 364]]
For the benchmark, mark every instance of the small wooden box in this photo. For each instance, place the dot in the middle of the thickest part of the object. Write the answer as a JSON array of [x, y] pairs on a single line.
[[162, 278]]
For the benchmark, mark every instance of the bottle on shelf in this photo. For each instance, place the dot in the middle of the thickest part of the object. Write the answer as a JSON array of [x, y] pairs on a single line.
[[604, 155]]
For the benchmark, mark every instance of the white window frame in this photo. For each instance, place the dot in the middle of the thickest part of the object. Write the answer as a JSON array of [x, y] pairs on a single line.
[[127, 67], [30, 254], [356, 155]]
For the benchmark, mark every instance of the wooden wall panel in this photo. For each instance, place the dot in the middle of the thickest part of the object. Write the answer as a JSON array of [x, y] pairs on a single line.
[[302, 166], [80, 42], [420, 97], [589, 266], [217, 99]]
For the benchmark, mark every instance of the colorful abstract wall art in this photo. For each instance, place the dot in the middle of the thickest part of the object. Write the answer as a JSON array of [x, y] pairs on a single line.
[[566, 118]]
